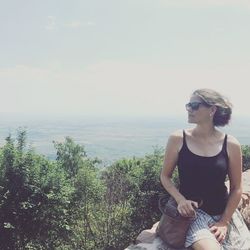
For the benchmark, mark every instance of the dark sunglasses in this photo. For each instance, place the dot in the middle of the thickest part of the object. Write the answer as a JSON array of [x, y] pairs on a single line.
[[195, 105]]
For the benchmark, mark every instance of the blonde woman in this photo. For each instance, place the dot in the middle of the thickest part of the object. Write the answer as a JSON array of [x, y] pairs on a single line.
[[205, 156]]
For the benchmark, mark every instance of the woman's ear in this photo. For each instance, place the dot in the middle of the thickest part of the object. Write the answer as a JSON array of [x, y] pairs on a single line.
[[213, 110]]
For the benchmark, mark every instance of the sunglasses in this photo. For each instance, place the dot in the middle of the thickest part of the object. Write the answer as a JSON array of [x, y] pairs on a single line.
[[195, 105]]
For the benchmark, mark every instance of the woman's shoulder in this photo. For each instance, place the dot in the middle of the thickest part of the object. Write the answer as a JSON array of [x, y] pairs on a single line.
[[175, 140], [176, 137], [233, 147], [233, 141], [177, 134]]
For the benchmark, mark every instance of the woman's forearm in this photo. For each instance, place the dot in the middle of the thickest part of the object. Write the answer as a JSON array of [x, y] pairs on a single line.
[[171, 188], [232, 204]]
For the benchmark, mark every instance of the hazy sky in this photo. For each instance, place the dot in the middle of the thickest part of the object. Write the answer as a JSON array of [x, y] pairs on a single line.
[[126, 57]]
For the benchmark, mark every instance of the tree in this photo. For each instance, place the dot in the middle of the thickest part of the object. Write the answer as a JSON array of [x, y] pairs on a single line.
[[245, 157], [70, 155], [34, 198]]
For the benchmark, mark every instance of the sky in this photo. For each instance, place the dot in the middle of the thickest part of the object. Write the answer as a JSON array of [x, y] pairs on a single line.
[[121, 57]]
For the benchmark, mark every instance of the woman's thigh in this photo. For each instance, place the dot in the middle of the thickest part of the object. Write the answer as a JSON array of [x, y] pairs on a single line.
[[206, 244]]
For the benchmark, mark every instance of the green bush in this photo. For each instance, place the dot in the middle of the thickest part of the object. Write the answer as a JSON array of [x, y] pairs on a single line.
[[245, 157], [69, 203]]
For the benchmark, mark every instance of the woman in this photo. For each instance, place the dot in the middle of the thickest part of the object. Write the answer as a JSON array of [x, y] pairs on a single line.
[[205, 156]]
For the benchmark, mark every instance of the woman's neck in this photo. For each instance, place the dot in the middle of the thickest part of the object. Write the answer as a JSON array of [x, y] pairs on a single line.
[[205, 131]]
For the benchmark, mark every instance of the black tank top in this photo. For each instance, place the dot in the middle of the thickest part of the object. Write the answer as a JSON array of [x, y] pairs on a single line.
[[203, 178]]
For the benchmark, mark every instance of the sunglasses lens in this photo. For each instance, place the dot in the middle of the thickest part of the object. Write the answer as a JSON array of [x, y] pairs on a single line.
[[193, 105]]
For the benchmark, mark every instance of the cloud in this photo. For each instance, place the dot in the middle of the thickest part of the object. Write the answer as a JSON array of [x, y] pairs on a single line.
[[74, 24], [117, 87], [90, 23], [78, 24], [206, 3], [51, 23]]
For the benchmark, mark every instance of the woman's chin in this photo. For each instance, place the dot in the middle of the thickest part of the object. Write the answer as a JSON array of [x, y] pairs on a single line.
[[191, 120]]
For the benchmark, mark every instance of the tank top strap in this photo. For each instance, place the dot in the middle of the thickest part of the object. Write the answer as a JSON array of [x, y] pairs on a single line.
[[184, 138], [224, 147]]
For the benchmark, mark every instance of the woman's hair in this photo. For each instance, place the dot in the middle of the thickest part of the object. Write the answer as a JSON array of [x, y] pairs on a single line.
[[223, 112]]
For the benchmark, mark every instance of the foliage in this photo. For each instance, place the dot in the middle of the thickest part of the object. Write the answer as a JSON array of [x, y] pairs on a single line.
[[34, 194], [134, 185], [245, 157], [70, 203]]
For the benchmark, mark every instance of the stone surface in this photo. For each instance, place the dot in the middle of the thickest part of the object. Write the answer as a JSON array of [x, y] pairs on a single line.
[[147, 236], [157, 244], [148, 240], [244, 205]]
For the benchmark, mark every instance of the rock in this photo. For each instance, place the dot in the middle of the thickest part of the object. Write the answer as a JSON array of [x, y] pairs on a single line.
[[148, 240], [244, 205], [157, 244], [147, 236], [245, 209]]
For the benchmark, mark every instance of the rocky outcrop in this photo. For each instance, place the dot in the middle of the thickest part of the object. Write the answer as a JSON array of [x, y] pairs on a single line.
[[244, 206], [148, 240]]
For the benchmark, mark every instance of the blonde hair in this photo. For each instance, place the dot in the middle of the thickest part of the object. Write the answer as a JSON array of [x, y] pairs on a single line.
[[223, 112]]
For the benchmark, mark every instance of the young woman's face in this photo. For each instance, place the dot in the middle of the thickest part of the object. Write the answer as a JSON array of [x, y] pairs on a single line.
[[198, 110]]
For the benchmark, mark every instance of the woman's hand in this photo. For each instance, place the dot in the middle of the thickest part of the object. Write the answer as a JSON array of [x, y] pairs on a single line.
[[187, 208], [219, 229]]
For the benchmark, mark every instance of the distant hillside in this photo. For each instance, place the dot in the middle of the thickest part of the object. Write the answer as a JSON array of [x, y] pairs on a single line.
[[108, 138]]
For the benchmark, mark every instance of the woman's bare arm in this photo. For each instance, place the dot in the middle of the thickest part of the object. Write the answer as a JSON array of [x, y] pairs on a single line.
[[174, 144], [235, 178]]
